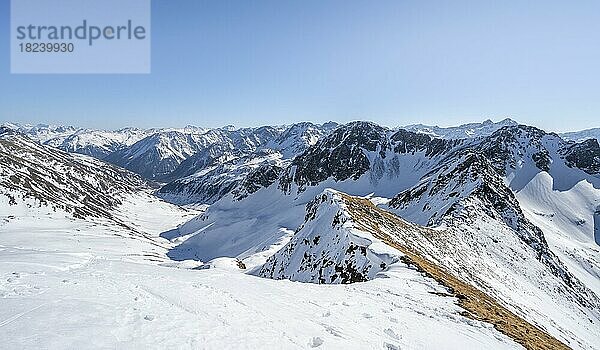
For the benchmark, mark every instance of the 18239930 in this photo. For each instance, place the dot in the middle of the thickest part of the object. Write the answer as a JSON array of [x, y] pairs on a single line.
[[47, 47]]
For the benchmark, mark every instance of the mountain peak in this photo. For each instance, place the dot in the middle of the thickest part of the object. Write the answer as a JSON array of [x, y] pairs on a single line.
[[229, 127]]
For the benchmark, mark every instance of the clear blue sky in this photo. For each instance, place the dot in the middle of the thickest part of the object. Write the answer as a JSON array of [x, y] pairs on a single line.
[[394, 62]]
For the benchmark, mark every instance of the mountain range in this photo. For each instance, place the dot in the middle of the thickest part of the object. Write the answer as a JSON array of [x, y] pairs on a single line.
[[500, 218]]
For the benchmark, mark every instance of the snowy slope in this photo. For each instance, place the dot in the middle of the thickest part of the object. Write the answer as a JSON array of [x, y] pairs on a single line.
[[531, 187], [224, 145], [567, 219], [296, 138], [323, 249], [158, 154], [215, 181], [71, 283], [78, 184]]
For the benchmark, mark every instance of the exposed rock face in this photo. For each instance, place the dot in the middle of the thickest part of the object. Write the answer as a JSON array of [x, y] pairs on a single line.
[[356, 148], [341, 154], [585, 156], [507, 146], [263, 176], [410, 142], [597, 225], [325, 249]]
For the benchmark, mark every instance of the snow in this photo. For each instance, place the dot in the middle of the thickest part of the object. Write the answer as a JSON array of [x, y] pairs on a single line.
[[567, 219], [72, 283], [248, 230], [471, 130], [108, 304], [511, 273], [218, 179], [327, 248], [154, 275], [69, 283], [254, 228], [582, 135]]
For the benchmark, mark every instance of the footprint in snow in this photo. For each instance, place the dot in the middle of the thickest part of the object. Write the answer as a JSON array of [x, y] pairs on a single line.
[[315, 342], [389, 346], [390, 333], [366, 315]]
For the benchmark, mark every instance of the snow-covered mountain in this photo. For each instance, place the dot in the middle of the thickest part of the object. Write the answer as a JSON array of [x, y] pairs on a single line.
[[221, 177], [347, 239], [234, 164], [471, 130], [72, 283], [96, 143], [82, 265], [81, 185], [169, 155], [473, 192], [42, 132], [298, 137], [157, 155], [582, 135], [501, 221]]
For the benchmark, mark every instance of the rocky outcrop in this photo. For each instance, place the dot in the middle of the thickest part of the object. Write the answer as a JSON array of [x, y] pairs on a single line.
[[325, 248], [341, 155], [584, 155]]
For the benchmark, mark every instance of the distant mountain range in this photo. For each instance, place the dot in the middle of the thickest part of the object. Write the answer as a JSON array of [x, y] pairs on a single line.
[[471, 130]]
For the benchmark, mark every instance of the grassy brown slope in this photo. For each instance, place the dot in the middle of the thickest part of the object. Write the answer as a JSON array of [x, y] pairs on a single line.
[[478, 305]]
